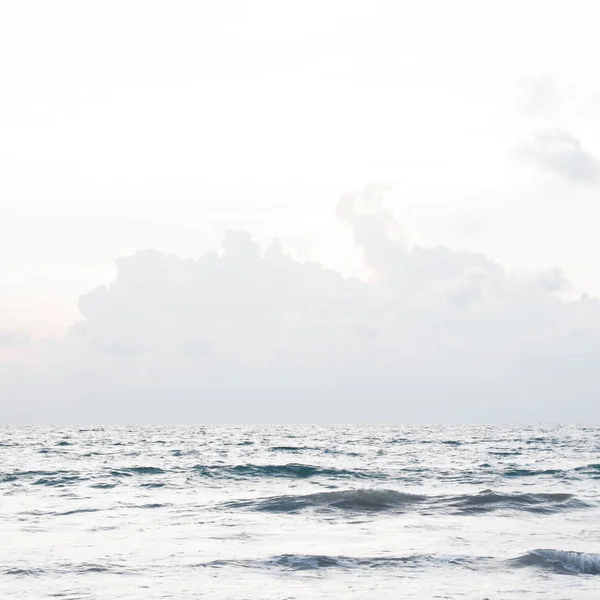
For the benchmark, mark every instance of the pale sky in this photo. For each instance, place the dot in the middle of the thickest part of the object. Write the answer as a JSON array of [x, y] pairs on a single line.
[[153, 125]]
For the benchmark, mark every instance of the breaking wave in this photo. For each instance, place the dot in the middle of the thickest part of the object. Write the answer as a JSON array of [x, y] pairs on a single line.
[[561, 561]]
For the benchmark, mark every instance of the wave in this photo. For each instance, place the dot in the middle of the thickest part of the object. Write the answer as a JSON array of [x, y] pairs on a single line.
[[58, 481], [488, 500], [130, 471], [242, 471], [61, 478], [16, 572], [504, 453], [293, 470], [76, 511], [70, 568], [25, 474], [353, 500], [370, 500], [45, 478], [531, 472], [292, 448], [591, 469], [314, 562], [555, 561], [561, 561]]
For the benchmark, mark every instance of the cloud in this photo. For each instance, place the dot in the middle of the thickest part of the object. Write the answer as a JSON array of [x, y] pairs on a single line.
[[560, 153], [250, 334], [14, 339]]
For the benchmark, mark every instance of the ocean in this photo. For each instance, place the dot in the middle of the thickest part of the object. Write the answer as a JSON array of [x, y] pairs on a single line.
[[274, 512]]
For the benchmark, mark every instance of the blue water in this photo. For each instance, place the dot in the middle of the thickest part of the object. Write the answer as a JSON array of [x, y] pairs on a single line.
[[299, 512]]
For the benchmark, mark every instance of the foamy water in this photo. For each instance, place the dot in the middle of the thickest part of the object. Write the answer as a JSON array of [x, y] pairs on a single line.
[[299, 512]]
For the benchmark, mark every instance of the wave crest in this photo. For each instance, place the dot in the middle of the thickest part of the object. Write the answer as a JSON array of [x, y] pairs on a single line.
[[313, 562], [561, 561], [292, 470], [488, 500], [367, 500], [354, 500]]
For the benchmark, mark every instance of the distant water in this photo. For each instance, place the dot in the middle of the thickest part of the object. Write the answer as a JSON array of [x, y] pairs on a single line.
[[300, 512]]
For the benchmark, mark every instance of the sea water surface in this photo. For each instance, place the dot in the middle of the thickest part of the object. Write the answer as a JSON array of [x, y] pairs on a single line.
[[300, 512]]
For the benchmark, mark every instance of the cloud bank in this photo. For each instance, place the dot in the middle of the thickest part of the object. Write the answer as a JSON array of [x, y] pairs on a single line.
[[251, 335]]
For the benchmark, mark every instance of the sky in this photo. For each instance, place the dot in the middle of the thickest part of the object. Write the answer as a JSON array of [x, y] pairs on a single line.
[[337, 211]]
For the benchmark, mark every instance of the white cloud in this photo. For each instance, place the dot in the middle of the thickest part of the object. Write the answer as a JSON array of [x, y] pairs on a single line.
[[559, 152], [252, 335]]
